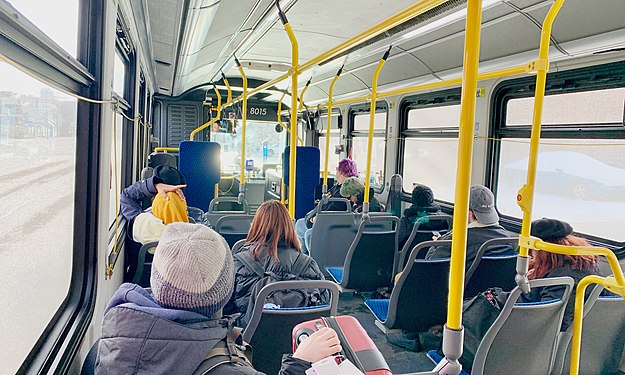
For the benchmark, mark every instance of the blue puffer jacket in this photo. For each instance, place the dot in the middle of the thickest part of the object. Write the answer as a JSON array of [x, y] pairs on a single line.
[[137, 197], [141, 337]]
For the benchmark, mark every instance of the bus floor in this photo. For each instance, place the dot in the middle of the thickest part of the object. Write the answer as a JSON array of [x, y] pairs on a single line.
[[400, 360]]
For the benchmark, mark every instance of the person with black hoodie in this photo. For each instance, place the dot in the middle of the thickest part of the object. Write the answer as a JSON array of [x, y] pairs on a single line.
[[422, 205], [354, 189]]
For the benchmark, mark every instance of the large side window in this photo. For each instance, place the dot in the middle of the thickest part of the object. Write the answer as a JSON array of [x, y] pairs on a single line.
[[581, 170], [358, 138], [430, 142], [334, 133]]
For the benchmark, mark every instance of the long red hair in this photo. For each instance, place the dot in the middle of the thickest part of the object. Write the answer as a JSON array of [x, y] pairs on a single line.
[[271, 225], [544, 261]]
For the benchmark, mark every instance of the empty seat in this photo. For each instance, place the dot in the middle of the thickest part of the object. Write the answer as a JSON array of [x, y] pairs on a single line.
[[441, 224], [370, 260], [523, 337], [603, 337], [227, 203], [419, 298], [491, 271], [269, 329], [234, 227], [144, 264]]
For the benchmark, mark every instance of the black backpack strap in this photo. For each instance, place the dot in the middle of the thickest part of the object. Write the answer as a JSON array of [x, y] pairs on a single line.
[[301, 264], [228, 351], [250, 265]]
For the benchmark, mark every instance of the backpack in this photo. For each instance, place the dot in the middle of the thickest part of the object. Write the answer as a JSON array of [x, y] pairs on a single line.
[[230, 350], [282, 298]]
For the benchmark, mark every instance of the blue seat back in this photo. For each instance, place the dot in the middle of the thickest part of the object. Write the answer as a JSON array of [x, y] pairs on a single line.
[[491, 271], [434, 223], [199, 163]]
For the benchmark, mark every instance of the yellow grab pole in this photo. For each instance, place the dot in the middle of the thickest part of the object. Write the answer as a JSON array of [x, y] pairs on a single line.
[[243, 131], [463, 171], [301, 96], [525, 196], [212, 120], [294, 75], [299, 139], [374, 93], [227, 83], [327, 145]]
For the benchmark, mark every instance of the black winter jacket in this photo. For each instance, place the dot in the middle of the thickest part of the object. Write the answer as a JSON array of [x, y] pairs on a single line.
[[334, 192], [374, 204], [411, 215], [245, 279]]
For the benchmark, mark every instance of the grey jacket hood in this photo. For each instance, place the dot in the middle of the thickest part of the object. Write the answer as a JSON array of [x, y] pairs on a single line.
[[141, 337]]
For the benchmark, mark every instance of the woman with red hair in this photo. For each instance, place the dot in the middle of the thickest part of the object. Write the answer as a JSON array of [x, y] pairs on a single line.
[[544, 264]]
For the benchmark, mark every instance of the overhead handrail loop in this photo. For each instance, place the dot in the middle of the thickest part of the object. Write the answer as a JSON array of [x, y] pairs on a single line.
[[227, 83], [374, 92], [243, 132], [301, 96], [212, 120], [327, 145], [294, 76], [525, 196]]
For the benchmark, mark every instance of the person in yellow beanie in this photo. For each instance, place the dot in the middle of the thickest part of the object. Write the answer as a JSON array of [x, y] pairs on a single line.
[[149, 226]]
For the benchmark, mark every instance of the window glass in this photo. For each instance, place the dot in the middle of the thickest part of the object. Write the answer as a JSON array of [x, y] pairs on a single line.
[[37, 152], [361, 122], [586, 107], [115, 169], [581, 181], [119, 76], [434, 117], [359, 154], [264, 145], [333, 158], [44, 14], [431, 162]]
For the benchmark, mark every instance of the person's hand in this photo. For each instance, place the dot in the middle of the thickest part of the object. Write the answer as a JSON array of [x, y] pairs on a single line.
[[163, 189], [312, 219], [318, 346], [435, 237]]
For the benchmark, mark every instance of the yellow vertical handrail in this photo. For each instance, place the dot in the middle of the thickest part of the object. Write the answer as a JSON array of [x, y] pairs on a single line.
[[227, 83], [525, 196], [301, 95], [212, 120], [327, 145], [243, 132], [299, 139], [463, 170], [293, 141], [374, 94]]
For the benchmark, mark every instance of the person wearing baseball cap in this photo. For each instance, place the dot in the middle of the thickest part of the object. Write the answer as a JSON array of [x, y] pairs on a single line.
[[483, 225], [178, 327]]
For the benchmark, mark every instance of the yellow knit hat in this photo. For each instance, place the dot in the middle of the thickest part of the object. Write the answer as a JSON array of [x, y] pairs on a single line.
[[170, 210]]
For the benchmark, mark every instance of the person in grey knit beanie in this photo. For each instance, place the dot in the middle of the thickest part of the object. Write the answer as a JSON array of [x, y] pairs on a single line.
[[192, 269]]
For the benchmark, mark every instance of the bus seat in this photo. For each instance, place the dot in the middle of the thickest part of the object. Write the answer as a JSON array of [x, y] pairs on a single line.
[[491, 271], [603, 337], [199, 163], [422, 283], [197, 214], [147, 172], [269, 329], [523, 337], [418, 235], [370, 260], [227, 203], [234, 227], [237, 246], [144, 264], [88, 365]]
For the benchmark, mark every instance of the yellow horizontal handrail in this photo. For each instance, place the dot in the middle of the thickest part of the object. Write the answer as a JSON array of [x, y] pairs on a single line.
[[166, 149], [211, 121]]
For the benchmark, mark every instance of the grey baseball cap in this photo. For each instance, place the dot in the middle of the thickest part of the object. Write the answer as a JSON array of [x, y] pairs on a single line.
[[482, 203]]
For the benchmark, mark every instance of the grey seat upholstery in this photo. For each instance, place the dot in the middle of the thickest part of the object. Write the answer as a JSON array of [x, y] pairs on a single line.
[[144, 264], [237, 246], [523, 337], [603, 337], [88, 366], [234, 227], [423, 282], [371, 258], [491, 271], [418, 235], [215, 212], [269, 330]]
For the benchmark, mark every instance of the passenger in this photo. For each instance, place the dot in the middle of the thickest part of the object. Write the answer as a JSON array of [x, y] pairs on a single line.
[[173, 328], [354, 189], [544, 264], [422, 205], [483, 226], [271, 247], [149, 226], [303, 227]]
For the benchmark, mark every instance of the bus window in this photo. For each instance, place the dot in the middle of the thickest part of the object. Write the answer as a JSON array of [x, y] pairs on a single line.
[[333, 158], [359, 138], [430, 149], [37, 151]]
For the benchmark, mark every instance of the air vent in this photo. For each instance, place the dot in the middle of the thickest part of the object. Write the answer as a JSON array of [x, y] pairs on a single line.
[[402, 27], [181, 121]]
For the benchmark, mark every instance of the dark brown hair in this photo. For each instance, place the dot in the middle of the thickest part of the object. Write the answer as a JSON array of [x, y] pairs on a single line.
[[271, 225], [544, 261]]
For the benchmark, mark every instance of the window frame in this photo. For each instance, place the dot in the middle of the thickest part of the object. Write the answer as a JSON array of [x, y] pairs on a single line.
[[592, 78], [363, 109], [429, 100]]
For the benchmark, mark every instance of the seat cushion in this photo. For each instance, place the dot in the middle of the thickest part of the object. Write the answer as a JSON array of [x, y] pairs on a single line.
[[379, 308], [336, 273]]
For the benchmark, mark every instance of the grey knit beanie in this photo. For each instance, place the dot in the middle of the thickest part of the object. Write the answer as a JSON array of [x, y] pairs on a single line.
[[192, 269]]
